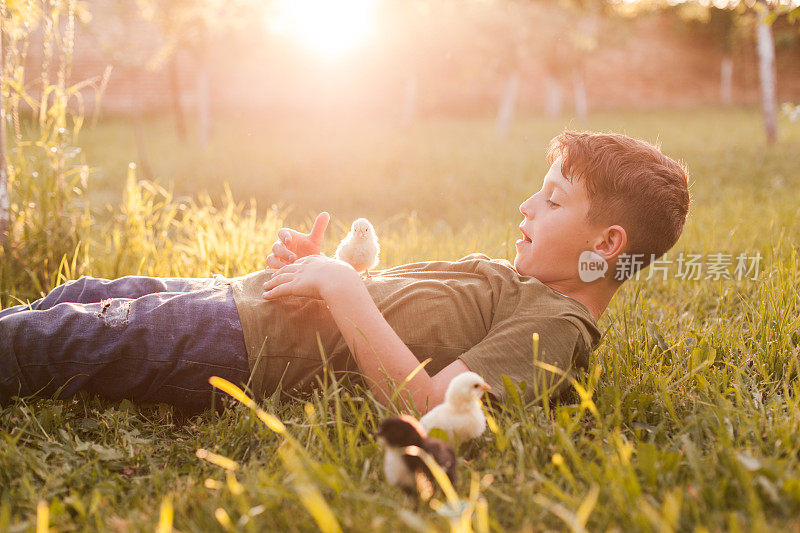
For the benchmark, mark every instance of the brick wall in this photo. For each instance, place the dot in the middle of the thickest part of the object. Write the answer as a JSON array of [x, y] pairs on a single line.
[[651, 65]]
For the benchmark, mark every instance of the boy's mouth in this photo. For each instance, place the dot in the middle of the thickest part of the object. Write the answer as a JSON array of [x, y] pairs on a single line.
[[525, 238]]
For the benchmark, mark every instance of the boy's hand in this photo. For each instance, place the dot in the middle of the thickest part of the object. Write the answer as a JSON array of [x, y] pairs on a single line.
[[314, 276], [292, 245]]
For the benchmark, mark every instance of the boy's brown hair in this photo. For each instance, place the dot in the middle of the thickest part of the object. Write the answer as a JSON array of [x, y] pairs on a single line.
[[628, 182]]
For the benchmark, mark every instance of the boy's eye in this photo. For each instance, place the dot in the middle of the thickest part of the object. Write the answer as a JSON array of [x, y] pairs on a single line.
[[551, 204]]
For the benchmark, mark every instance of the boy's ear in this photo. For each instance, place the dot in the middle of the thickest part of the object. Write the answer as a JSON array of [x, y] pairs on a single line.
[[611, 242]]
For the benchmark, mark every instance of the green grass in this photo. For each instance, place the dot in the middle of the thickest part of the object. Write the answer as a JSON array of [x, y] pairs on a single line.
[[694, 419]]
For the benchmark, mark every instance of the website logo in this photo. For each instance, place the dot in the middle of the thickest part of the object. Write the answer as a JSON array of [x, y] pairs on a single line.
[[591, 266]]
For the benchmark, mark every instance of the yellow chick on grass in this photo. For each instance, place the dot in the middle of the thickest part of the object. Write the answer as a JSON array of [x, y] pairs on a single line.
[[360, 247], [460, 415]]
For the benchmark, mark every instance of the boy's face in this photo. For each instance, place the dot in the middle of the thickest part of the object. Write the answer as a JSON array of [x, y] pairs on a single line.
[[555, 229]]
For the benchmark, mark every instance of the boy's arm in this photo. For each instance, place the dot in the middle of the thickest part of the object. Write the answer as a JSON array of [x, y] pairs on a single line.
[[382, 356]]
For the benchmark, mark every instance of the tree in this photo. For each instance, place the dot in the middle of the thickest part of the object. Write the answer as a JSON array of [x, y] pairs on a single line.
[[767, 11], [195, 25], [729, 27], [766, 72], [112, 46], [766, 52], [5, 205], [514, 23], [572, 32], [731, 18]]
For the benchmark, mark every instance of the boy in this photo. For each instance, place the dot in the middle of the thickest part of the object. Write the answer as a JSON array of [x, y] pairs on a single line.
[[158, 340]]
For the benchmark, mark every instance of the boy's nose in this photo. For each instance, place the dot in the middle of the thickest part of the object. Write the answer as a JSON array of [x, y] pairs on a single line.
[[524, 208]]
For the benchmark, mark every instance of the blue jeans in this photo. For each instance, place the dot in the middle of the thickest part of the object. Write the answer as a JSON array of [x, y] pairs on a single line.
[[141, 338]]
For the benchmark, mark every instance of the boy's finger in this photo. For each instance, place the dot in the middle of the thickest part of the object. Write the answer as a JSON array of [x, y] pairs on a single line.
[[275, 262], [320, 224], [274, 293], [282, 252], [287, 235], [294, 267], [284, 288], [276, 279]]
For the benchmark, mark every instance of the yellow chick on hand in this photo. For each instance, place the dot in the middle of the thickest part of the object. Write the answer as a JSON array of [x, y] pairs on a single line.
[[360, 247]]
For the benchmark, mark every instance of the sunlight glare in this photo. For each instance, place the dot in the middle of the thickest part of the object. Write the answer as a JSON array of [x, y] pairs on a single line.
[[327, 28]]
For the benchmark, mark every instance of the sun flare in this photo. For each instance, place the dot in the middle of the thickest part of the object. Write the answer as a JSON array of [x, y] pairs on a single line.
[[329, 29]]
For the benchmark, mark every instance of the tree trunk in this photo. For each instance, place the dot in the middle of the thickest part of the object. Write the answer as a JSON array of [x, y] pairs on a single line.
[[579, 90], [203, 103], [766, 75], [409, 101], [726, 81], [505, 114], [175, 94], [138, 128], [5, 204], [552, 104]]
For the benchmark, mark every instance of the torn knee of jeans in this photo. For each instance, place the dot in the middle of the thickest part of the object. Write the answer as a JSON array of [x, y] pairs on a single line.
[[115, 312]]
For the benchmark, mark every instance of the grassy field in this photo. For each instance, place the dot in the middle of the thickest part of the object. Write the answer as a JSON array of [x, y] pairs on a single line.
[[692, 416]]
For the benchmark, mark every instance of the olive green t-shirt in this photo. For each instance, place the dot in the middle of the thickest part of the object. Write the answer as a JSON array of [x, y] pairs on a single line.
[[476, 309]]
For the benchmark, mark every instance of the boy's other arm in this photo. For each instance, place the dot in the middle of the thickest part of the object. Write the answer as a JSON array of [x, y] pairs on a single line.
[[381, 354]]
